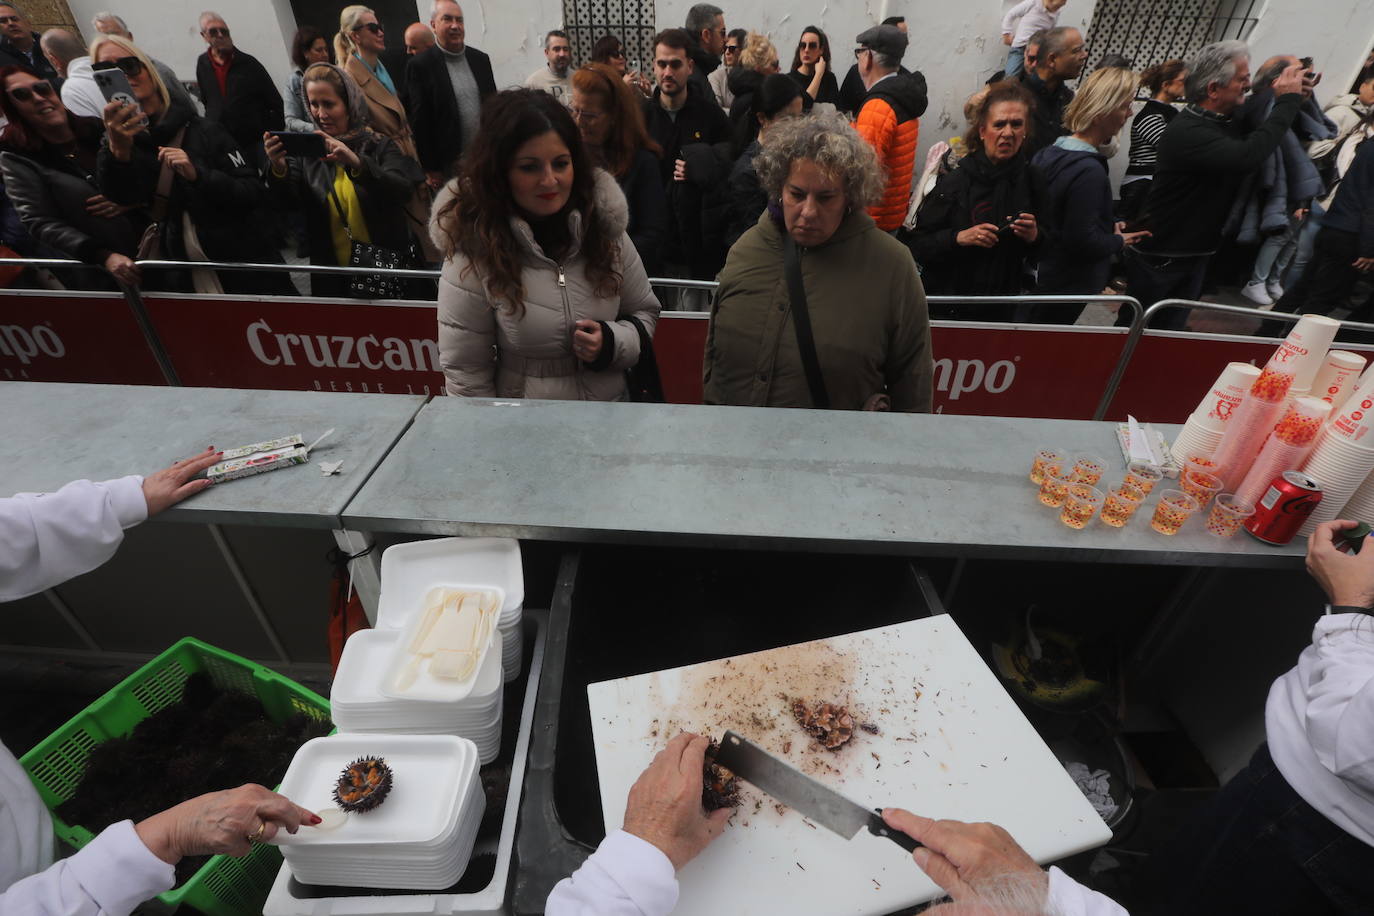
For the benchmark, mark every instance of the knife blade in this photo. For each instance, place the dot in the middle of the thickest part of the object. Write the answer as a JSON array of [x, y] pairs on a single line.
[[795, 789]]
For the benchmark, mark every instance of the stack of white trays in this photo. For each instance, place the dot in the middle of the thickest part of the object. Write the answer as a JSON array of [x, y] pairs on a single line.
[[420, 837]]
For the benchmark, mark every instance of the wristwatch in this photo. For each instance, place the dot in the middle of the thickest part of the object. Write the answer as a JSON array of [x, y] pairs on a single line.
[[1347, 609]]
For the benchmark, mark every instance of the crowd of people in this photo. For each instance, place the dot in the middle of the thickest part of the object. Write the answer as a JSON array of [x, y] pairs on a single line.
[[666, 173]]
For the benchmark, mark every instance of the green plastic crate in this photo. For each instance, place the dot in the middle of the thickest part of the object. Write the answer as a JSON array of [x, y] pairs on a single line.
[[224, 886]]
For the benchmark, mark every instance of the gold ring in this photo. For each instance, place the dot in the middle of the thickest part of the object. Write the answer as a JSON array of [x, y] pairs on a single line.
[[257, 834]]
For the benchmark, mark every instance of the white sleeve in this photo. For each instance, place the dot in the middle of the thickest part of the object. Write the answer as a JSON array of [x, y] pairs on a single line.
[[47, 538], [1340, 697], [1069, 898], [1014, 15], [626, 876], [113, 874]]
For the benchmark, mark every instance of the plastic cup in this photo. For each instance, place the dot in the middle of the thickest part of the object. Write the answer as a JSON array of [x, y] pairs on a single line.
[[1201, 464], [1227, 515], [1121, 504], [1174, 508], [1088, 469], [1143, 476], [1055, 488], [1046, 458], [1201, 486], [1080, 505]]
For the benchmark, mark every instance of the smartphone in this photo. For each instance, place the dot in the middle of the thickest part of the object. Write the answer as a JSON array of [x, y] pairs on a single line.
[[114, 86], [1004, 231], [1306, 63], [304, 145]]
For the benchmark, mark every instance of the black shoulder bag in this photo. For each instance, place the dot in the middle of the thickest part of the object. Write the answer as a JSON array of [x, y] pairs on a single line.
[[801, 320], [365, 254], [642, 379]]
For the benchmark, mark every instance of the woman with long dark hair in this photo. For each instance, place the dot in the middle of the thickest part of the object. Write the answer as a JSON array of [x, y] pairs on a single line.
[[541, 289], [308, 47], [48, 156], [612, 125], [608, 50], [811, 67], [358, 191], [777, 98]]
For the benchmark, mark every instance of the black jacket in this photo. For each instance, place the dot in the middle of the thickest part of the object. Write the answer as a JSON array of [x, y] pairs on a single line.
[[700, 134], [1047, 120], [1352, 210], [1203, 159], [249, 106], [648, 228], [744, 127], [1078, 258], [225, 201], [977, 191], [10, 56], [700, 120], [50, 190], [433, 108], [384, 185], [704, 64], [829, 91], [747, 197]]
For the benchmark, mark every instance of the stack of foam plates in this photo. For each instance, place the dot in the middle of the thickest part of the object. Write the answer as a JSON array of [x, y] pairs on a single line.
[[410, 570], [359, 703], [420, 837]]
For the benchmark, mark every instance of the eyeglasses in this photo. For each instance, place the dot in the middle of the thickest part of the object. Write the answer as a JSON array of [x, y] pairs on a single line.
[[586, 115], [732, 49], [25, 94], [131, 66], [374, 27], [858, 51], [810, 45], [617, 53], [217, 32]]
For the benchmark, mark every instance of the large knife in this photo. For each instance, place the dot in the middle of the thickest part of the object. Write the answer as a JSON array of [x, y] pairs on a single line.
[[795, 789]]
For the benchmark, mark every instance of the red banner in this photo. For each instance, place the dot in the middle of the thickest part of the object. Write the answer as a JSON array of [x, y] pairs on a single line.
[[72, 337], [1170, 373]]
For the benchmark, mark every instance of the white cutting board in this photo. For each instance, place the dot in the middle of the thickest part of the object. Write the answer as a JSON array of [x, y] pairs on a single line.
[[951, 744]]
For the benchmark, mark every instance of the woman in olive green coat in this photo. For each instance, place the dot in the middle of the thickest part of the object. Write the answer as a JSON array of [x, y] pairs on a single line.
[[864, 298]]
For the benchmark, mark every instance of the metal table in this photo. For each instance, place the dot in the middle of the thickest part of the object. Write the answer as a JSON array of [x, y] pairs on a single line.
[[745, 477], [63, 432]]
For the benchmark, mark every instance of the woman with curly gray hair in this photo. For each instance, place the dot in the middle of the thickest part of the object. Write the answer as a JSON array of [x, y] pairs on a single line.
[[787, 329]]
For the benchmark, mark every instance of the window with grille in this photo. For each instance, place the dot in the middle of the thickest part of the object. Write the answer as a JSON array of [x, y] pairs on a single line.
[[1150, 31], [632, 21]]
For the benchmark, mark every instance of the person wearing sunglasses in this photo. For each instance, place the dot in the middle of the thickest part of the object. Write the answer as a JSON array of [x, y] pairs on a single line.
[[609, 51], [47, 157], [107, 23], [238, 92], [729, 60], [358, 191], [19, 44], [213, 208], [358, 47], [811, 67]]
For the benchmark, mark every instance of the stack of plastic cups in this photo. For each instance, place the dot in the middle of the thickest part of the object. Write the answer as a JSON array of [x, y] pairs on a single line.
[[1337, 378], [1260, 411], [1286, 448], [1344, 457], [1361, 505], [1202, 431]]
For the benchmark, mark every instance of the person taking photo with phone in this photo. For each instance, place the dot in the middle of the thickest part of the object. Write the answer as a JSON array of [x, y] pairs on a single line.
[[198, 195], [353, 185], [47, 157]]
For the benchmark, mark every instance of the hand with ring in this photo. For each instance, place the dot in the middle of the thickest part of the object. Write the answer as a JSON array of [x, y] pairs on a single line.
[[587, 340], [227, 822], [983, 235]]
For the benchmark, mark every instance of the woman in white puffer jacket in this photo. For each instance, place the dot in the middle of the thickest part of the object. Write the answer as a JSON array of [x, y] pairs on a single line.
[[541, 286]]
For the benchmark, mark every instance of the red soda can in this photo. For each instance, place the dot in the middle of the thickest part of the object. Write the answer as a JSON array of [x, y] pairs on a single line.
[[1284, 507]]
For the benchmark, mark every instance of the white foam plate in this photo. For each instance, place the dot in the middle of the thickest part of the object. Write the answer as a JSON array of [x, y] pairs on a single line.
[[409, 571], [431, 773]]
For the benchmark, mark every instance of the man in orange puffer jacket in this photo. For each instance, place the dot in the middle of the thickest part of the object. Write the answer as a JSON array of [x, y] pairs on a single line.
[[888, 119]]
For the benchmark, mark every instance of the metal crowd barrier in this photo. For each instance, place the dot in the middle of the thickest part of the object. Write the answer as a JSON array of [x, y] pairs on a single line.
[[1140, 317]]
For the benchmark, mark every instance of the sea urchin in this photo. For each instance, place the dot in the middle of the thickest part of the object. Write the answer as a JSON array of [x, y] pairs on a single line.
[[363, 785]]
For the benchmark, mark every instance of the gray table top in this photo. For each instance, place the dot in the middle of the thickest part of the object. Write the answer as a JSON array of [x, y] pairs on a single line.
[[62, 432], [764, 478]]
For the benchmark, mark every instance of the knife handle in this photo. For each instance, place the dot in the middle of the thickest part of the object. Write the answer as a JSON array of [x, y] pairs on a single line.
[[878, 827]]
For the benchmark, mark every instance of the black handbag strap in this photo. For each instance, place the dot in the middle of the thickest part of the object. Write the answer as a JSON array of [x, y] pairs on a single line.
[[338, 207], [801, 320]]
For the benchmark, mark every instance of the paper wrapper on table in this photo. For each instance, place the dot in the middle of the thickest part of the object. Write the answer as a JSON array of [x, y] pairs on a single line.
[[1303, 351], [1195, 440], [1338, 377], [1286, 448], [1361, 505]]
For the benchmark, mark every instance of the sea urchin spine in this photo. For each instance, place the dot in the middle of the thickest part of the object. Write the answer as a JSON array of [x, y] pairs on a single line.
[[363, 785]]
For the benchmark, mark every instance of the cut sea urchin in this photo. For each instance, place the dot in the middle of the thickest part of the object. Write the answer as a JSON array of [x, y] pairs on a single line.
[[363, 785], [829, 724], [719, 787]]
